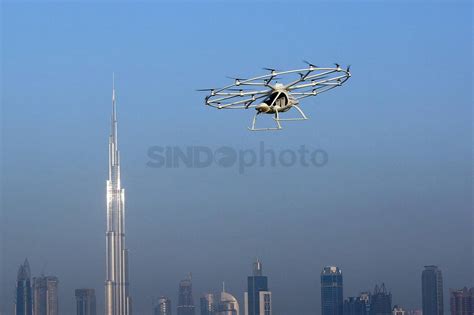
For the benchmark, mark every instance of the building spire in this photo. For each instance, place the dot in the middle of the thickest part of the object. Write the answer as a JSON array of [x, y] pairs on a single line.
[[113, 141], [113, 87], [114, 113], [257, 268], [24, 271]]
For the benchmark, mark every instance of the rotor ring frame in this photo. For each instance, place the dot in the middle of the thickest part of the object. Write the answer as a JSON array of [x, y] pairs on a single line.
[[220, 97]]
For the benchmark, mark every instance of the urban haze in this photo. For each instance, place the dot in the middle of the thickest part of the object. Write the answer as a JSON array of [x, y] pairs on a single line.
[[386, 214]]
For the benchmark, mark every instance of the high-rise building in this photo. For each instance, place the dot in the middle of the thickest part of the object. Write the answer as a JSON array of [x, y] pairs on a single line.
[[398, 310], [24, 301], [257, 299], [185, 297], [208, 304], [380, 301], [365, 297], [117, 298], [45, 295], [432, 291], [228, 304], [163, 307], [332, 302], [85, 302], [462, 301], [357, 305]]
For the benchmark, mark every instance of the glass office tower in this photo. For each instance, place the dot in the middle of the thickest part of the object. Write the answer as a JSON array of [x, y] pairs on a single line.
[[258, 300], [24, 301], [185, 297], [85, 302], [432, 291], [331, 291], [163, 307]]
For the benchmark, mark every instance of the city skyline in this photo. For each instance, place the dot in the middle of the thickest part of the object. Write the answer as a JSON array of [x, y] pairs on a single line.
[[45, 291], [394, 195]]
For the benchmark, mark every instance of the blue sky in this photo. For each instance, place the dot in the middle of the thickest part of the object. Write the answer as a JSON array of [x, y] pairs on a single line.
[[395, 195]]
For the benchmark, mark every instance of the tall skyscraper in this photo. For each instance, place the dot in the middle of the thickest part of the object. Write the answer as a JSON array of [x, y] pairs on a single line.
[[185, 297], [24, 301], [331, 291], [45, 295], [462, 301], [357, 305], [163, 307], [380, 301], [398, 310], [432, 291], [208, 304], [257, 299], [85, 302], [228, 304], [117, 298]]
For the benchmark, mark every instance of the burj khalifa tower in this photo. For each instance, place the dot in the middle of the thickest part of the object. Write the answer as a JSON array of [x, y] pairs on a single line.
[[117, 299]]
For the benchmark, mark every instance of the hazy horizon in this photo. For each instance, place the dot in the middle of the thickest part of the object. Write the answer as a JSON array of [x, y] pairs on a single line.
[[395, 194]]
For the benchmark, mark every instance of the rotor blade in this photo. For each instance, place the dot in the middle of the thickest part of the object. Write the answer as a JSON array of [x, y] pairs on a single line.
[[239, 79], [270, 69], [202, 90], [309, 64]]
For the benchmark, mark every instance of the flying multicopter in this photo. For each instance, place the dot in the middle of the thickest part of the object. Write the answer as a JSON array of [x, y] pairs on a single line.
[[268, 95]]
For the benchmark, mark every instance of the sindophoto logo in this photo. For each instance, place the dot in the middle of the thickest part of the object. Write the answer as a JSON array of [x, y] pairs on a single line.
[[229, 157]]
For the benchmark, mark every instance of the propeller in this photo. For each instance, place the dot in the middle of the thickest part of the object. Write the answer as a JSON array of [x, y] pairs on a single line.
[[238, 79], [270, 69], [213, 91], [337, 65], [310, 64], [348, 68]]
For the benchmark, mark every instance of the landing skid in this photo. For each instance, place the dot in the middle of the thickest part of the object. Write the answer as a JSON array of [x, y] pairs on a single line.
[[254, 121], [277, 120]]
